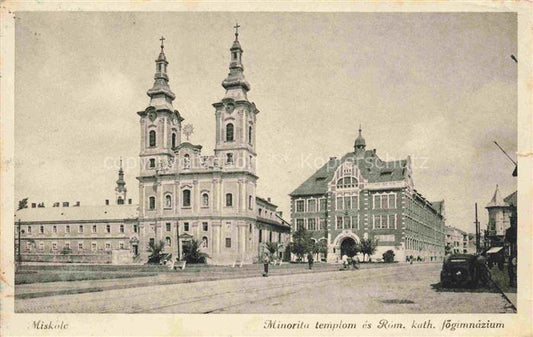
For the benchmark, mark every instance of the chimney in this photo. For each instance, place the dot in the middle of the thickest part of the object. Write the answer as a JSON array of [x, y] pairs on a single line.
[[65, 203], [129, 201], [107, 202], [77, 204], [33, 205]]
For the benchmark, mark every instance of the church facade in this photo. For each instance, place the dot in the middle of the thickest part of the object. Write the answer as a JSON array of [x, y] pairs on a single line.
[[360, 196], [183, 194]]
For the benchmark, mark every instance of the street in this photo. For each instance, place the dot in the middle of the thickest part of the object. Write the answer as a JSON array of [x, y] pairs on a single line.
[[394, 289]]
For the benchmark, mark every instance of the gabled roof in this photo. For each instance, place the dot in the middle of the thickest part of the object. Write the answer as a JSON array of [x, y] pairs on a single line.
[[511, 199], [81, 213], [372, 168]]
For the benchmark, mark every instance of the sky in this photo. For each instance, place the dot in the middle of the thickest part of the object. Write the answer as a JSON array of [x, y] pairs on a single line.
[[440, 87]]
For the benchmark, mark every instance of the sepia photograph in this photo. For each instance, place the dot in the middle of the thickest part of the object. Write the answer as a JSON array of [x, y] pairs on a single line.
[[267, 162]]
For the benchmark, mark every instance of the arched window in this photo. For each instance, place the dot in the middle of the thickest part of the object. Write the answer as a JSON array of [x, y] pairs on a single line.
[[152, 138], [168, 242], [168, 201], [205, 200], [205, 242], [151, 203], [229, 200], [250, 206], [347, 182], [229, 132], [186, 198], [174, 140], [250, 134]]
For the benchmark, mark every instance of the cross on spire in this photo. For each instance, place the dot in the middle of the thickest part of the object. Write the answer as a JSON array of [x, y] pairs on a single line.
[[237, 26], [360, 128], [162, 39]]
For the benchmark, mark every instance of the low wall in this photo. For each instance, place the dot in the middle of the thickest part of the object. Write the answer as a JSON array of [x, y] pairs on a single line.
[[68, 258]]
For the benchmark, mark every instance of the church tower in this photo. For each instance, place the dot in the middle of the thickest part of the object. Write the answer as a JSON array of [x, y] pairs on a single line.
[[121, 186], [236, 117], [359, 145], [160, 122]]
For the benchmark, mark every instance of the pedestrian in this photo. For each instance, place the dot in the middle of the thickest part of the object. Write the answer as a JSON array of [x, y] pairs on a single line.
[[356, 262], [345, 261], [310, 260], [266, 261], [411, 259]]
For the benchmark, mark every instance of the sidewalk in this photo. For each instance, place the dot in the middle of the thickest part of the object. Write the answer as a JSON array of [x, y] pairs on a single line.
[[501, 279], [192, 274]]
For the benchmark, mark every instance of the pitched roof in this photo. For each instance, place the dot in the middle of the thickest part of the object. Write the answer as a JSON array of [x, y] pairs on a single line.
[[511, 199], [92, 213], [372, 168], [496, 200]]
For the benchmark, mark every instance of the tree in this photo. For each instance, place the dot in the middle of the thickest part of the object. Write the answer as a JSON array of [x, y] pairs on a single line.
[[156, 250], [321, 247], [23, 204], [272, 248], [388, 256], [192, 252], [368, 247], [301, 243]]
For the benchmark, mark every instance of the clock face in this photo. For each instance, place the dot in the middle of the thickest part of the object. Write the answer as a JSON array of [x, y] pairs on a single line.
[[229, 108], [152, 115], [174, 119]]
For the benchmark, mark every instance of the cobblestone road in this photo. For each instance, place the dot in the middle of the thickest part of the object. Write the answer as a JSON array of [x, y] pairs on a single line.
[[398, 289]]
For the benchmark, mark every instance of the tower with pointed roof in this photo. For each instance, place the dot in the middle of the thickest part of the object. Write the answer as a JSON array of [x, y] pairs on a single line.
[[121, 189], [499, 218], [236, 116], [360, 144]]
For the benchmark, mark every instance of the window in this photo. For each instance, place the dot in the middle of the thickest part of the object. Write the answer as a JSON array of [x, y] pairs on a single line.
[[392, 200], [168, 226], [152, 138], [185, 226], [168, 201], [28, 245], [355, 222], [67, 229], [94, 247], [229, 158], [151, 202], [41, 229], [29, 229], [384, 201], [186, 161], [311, 224], [54, 229], [322, 224], [235, 55], [347, 182], [300, 206], [339, 222], [80, 229], [377, 202], [186, 198], [80, 245], [174, 140], [311, 205], [168, 242], [279, 237], [347, 202], [152, 163], [121, 245], [299, 224], [67, 245], [355, 202], [41, 245], [205, 242], [347, 222], [250, 135], [250, 206], [135, 229], [229, 132], [323, 204], [339, 203], [107, 246], [229, 200], [54, 245], [122, 228], [205, 200], [108, 228], [94, 228], [228, 242], [270, 236], [261, 234], [392, 221], [205, 226]]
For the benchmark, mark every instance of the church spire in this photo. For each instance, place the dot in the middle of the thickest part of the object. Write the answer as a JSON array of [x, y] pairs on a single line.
[[235, 84], [360, 142], [160, 94], [121, 186]]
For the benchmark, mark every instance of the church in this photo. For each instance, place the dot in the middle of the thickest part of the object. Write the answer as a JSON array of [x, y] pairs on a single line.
[[360, 196], [183, 194]]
